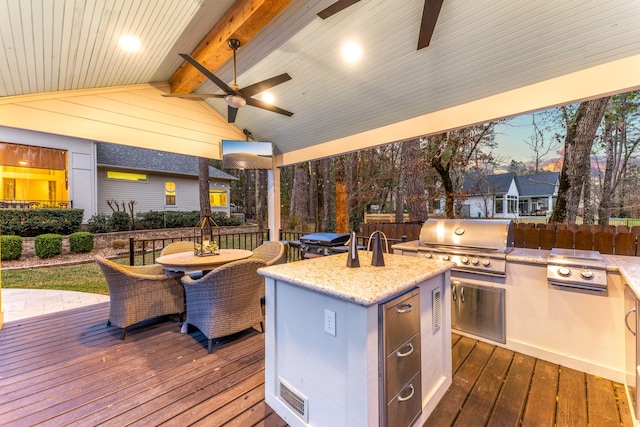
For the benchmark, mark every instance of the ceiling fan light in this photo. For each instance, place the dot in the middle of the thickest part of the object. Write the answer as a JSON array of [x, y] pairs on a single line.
[[235, 101]]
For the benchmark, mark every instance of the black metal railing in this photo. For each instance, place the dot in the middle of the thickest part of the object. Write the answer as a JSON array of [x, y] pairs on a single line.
[[149, 249]]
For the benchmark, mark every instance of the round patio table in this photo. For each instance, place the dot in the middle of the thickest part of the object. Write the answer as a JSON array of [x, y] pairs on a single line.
[[185, 262]]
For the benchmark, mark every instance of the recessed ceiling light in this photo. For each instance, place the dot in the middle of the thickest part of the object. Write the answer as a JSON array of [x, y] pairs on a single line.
[[268, 97], [351, 51], [130, 43]]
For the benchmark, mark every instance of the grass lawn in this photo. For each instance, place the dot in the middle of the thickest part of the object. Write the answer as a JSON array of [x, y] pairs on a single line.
[[81, 277]]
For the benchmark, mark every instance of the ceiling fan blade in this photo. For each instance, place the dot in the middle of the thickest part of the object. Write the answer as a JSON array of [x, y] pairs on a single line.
[[335, 8], [261, 104], [195, 95], [430, 14], [264, 85], [232, 112], [222, 85]]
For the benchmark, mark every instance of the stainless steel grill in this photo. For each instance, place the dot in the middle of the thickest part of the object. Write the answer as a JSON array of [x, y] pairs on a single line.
[[323, 244], [478, 246], [577, 269]]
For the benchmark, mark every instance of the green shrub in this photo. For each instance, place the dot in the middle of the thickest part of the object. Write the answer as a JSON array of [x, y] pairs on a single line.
[[100, 223], [48, 245], [120, 221], [32, 222], [10, 247], [119, 244], [79, 242]]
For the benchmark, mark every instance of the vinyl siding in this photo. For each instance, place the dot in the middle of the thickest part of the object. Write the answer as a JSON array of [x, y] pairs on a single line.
[[150, 195]]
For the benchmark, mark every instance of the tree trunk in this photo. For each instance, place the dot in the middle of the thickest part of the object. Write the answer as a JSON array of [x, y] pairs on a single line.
[[576, 166], [203, 184], [248, 194], [413, 168], [261, 198], [342, 215], [604, 209], [327, 223]]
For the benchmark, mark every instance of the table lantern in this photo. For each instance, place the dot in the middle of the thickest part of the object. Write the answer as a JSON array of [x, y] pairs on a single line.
[[204, 243]]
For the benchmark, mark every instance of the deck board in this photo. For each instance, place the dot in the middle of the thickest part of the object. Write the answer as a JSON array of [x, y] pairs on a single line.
[[69, 368]]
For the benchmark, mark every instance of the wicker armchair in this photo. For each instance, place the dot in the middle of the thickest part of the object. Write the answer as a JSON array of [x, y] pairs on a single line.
[[271, 252], [176, 247], [225, 300], [139, 293]]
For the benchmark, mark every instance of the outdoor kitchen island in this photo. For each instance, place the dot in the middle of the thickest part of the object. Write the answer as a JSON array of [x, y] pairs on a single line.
[[328, 330]]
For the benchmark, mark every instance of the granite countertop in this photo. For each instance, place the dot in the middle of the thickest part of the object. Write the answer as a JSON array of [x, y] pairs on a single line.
[[366, 285], [627, 266]]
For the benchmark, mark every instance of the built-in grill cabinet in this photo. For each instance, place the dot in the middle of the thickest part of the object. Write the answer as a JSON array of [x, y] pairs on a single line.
[[401, 383], [478, 310]]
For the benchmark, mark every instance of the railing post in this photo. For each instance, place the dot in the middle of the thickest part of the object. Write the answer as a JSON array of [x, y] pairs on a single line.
[[131, 252]]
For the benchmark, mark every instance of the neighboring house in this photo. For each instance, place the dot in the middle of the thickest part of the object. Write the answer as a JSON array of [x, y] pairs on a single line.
[[155, 180], [538, 193], [42, 170], [491, 196], [508, 195]]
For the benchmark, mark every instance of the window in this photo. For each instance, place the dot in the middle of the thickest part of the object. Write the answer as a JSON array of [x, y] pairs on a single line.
[[218, 198], [512, 204], [499, 204], [170, 193], [34, 174], [126, 176]]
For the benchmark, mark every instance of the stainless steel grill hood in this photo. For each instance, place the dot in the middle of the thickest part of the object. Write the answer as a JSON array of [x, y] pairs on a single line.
[[477, 235], [478, 246]]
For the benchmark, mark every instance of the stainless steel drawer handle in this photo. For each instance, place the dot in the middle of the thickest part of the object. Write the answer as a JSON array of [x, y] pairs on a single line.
[[404, 308], [408, 353], [404, 399], [462, 294], [626, 320]]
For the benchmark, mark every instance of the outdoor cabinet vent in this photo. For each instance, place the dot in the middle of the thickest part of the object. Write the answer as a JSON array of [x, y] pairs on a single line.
[[436, 297], [296, 401]]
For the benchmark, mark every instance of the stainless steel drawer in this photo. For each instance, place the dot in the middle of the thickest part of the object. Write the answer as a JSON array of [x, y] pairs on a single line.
[[401, 366], [401, 320], [406, 406]]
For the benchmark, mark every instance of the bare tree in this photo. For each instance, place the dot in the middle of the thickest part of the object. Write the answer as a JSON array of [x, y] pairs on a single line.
[[539, 142], [203, 184], [576, 167], [452, 152], [619, 148]]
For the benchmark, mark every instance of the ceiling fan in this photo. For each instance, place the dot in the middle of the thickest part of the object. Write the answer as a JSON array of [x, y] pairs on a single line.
[[234, 95], [430, 13]]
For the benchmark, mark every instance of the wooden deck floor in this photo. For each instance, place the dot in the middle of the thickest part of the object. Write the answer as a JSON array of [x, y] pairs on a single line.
[[493, 386], [68, 368]]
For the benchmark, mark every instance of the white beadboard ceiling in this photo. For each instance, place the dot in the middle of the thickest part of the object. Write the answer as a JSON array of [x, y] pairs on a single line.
[[480, 50]]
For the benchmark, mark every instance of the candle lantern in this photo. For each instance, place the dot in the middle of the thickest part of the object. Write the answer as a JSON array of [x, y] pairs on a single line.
[[204, 234]]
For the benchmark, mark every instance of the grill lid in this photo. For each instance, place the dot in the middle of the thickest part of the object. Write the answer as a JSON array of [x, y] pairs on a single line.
[[484, 235], [325, 239]]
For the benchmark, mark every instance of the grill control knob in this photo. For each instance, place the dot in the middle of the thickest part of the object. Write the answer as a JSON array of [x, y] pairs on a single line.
[[446, 257], [428, 255], [564, 271], [586, 273], [486, 262], [475, 261], [464, 260]]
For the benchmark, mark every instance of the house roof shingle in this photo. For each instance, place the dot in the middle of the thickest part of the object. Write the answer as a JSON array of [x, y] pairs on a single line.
[[540, 184], [124, 156], [475, 183]]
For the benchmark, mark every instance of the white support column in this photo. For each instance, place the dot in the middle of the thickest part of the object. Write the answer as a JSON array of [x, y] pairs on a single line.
[[273, 202]]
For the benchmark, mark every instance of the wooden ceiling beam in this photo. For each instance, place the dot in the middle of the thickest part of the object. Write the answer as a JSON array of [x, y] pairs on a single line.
[[243, 20]]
